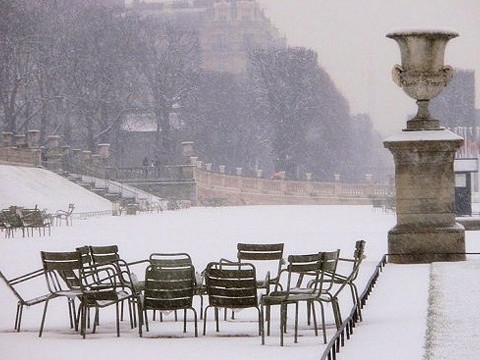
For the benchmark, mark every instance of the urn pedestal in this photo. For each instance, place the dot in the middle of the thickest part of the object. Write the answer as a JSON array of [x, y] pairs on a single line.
[[426, 229]]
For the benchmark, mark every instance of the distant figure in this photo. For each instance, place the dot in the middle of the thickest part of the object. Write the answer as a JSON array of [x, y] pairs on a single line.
[[277, 176], [152, 163], [145, 166]]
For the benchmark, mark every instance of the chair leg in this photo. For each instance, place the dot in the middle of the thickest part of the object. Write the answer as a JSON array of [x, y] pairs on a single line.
[[18, 316], [83, 322], [131, 311], [96, 320], [283, 310], [315, 325], [268, 319], [43, 318], [184, 320], [205, 320], [262, 326], [194, 319], [322, 310], [217, 325], [117, 311], [338, 316], [356, 300], [296, 323], [145, 316]]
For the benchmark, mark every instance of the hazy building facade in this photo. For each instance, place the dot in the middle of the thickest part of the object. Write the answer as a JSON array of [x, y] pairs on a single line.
[[227, 29]]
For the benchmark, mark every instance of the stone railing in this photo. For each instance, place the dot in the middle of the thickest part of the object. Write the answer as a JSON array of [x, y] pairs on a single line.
[[237, 189], [147, 173]]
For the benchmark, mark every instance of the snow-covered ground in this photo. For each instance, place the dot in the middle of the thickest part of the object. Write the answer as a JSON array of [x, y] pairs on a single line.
[[395, 318], [28, 187]]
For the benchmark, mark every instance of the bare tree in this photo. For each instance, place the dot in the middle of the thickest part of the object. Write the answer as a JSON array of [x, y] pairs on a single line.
[[16, 62], [166, 55]]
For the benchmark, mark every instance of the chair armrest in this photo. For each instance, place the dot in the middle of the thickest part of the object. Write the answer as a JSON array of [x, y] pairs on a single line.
[[99, 277], [24, 277], [227, 261], [146, 261]]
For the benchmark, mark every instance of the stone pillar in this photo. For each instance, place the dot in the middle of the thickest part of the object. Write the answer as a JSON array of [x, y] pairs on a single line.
[[337, 177], [369, 178], [259, 173], [95, 159], [238, 171], [54, 157], [221, 169], [33, 138], [208, 166], [193, 160], [308, 176], [53, 142], [7, 138], [425, 195], [103, 151], [188, 148], [20, 140], [77, 161], [199, 164], [86, 162], [66, 158]]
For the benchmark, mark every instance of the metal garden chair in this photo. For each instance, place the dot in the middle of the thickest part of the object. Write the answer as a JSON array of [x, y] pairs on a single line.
[[348, 279], [170, 286], [260, 255], [231, 285], [305, 282], [108, 254], [95, 286], [19, 283]]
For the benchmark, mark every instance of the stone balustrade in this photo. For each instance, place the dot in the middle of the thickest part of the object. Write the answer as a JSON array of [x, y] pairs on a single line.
[[256, 190]]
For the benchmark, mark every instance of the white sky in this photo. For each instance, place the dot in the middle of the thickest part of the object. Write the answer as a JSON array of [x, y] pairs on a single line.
[[349, 36]]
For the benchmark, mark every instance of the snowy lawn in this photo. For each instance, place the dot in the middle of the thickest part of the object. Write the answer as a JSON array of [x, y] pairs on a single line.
[[395, 318]]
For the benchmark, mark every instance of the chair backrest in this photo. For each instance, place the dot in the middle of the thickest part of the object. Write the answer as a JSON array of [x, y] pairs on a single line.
[[85, 254], [169, 287], [170, 260], [104, 254], [301, 268], [62, 270], [231, 285], [359, 249], [358, 256], [310, 269], [254, 253], [329, 266]]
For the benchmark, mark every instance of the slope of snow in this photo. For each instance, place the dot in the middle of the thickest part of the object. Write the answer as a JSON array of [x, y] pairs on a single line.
[[27, 187]]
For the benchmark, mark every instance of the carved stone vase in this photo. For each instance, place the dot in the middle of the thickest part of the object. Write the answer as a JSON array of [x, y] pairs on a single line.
[[422, 74]]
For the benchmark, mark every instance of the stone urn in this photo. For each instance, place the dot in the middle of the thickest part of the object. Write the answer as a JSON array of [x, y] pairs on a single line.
[[422, 74], [424, 154]]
